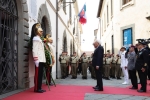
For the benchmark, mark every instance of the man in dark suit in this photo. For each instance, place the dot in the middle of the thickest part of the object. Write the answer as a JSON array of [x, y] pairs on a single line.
[[97, 63], [141, 65]]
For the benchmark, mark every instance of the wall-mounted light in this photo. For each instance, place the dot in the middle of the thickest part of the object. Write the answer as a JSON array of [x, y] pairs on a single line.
[[60, 3]]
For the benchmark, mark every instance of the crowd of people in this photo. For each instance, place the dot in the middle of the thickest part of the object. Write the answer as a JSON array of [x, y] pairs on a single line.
[[134, 60], [128, 63]]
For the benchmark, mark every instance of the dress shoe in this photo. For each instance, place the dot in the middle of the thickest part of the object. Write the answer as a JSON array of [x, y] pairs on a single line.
[[107, 78], [118, 78], [98, 89], [43, 90], [39, 91], [134, 88], [51, 84], [141, 91], [125, 83]]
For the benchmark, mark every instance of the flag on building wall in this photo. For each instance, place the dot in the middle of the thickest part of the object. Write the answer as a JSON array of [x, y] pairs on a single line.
[[82, 15]]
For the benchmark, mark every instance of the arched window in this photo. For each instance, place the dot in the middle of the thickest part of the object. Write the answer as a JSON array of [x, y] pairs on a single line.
[[8, 46], [65, 44]]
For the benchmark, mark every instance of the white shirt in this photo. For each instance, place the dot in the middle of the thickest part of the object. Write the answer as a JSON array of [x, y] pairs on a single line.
[[124, 61]]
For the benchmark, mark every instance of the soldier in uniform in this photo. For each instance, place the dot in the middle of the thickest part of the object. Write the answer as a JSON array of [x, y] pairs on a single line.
[[113, 65], [117, 67], [107, 66], [124, 63], [131, 67], [63, 65], [93, 75], [38, 52], [74, 65], [84, 60], [104, 63], [141, 65], [68, 60]]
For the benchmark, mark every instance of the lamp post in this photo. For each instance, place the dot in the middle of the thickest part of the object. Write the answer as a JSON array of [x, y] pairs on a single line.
[[58, 3]]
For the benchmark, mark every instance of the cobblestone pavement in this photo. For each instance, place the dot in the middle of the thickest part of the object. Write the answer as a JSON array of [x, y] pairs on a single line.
[[91, 82]]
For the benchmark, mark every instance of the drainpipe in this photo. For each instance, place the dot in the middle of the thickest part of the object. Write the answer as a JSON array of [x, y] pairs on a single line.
[[56, 39]]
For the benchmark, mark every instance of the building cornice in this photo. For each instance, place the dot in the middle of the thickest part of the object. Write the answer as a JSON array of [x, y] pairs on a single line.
[[99, 8]]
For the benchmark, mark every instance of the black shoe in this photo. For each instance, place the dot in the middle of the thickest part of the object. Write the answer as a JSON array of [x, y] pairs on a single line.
[[95, 87], [51, 84], [98, 89], [72, 78], [118, 78], [141, 91], [43, 90], [113, 77], [107, 78], [39, 91], [134, 88]]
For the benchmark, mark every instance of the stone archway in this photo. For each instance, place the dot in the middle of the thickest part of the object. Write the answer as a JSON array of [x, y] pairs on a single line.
[[64, 41], [44, 19]]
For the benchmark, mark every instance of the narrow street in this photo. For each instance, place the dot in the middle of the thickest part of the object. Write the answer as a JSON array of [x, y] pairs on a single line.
[[79, 89]]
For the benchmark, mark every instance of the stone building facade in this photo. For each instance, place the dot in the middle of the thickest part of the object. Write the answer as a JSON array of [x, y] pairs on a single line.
[[16, 20], [122, 22]]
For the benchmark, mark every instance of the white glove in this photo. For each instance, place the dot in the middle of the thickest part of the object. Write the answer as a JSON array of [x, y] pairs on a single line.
[[36, 63]]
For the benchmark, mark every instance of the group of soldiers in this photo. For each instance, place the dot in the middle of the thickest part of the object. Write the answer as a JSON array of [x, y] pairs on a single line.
[[78, 65], [111, 66]]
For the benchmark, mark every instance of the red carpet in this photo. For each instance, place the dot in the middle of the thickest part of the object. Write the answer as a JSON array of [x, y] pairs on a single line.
[[71, 92]]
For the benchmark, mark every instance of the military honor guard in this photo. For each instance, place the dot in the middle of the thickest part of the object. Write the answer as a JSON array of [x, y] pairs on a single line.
[[38, 56], [113, 65], [84, 61], [108, 61], [63, 64], [117, 67], [131, 67], [124, 63], [93, 75], [74, 65], [68, 65], [141, 65], [103, 68]]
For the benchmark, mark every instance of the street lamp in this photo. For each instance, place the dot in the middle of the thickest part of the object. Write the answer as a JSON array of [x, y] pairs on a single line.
[[60, 2]]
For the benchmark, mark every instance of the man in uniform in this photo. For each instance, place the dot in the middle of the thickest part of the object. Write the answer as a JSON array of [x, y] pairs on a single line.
[[107, 66], [113, 64], [38, 56], [124, 63], [141, 65], [131, 67], [84, 60], [63, 64], [91, 67], [117, 67], [68, 60], [74, 64]]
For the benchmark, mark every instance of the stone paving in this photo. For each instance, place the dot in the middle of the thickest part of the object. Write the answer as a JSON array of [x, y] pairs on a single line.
[[91, 82]]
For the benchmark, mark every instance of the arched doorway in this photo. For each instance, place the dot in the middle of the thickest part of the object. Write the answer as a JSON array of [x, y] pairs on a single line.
[[8, 45], [64, 42]]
